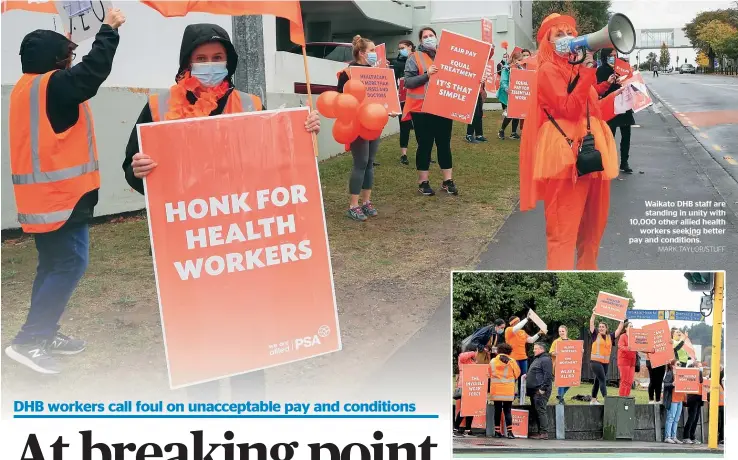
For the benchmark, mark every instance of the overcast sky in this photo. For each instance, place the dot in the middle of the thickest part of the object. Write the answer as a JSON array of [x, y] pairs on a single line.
[[662, 290], [652, 14]]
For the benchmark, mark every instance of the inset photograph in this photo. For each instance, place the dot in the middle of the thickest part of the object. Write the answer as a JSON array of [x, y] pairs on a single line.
[[588, 362]]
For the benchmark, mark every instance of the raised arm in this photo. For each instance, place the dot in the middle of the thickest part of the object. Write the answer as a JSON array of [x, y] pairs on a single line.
[[520, 325], [592, 324], [554, 96], [619, 329]]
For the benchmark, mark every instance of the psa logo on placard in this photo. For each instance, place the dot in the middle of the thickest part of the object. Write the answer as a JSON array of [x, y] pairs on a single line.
[[311, 341]]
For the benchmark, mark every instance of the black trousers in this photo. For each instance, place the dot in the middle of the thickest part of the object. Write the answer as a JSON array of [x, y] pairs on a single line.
[[405, 128], [600, 383], [430, 129], [503, 407], [475, 128], [694, 409], [721, 420], [624, 141], [655, 73], [655, 381], [458, 419], [539, 414]]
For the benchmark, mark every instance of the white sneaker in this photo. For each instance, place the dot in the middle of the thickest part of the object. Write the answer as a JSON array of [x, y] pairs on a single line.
[[677, 441], [688, 441], [696, 442], [594, 402], [651, 402], [669, 441]]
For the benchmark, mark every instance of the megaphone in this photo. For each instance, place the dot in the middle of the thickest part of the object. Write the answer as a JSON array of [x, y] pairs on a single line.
[[619, 33]]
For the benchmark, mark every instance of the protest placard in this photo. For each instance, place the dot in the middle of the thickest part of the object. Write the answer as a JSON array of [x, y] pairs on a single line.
[[239, 244], [689, 348], [705, 388], [611, 306], [568, 367], [381, 51], [522, 83], [381, 86], [492, 80], [537, 321], [454, 89], [663, 351], [687, 380], [519, 423], [622, 68], [487, 31], [474, 389], [82, 19], [641, 98], [640, 340]]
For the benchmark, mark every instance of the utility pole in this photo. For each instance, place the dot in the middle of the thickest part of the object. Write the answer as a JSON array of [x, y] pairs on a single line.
[[717, 335]]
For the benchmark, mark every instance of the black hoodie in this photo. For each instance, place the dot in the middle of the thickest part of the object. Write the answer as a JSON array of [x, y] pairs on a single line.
[[194, 36], [43, 51]]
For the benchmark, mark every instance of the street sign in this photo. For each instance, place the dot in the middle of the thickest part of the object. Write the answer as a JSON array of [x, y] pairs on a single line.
[[672, 315]]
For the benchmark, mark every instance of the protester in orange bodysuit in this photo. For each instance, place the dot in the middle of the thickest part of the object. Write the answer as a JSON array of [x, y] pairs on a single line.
[[575, 207]]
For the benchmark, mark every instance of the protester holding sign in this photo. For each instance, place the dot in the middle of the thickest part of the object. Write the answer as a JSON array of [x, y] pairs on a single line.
[[606, 73], [50, 126], [504, 372], [694, 409], [539, 383], [563, 107], [679, 352], [602, 340], [655, 381], [516, 336], [363, 150], [204, 87], [403, 52], [464, 358], [563, 336], [502, 96], [673, 403], [429, 128], [627, 359]]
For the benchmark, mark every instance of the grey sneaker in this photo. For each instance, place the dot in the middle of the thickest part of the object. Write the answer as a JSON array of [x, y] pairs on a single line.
[[669, 441], [357, 214], [688, 441], [65, 345], [696, 442], [35, 356], [677, 441], [369, 209]]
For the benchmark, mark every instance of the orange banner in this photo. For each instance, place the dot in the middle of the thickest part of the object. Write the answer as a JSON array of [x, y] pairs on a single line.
[[568, 369], [705, 388], [454, 89], [239, 244], [611, 306], [522, 83], [622, 68], [474, 389], [640, 340], [381, 86], [487, 36], [661, 343], [492, 82], [687, 380], [381, 51], [519, 423]]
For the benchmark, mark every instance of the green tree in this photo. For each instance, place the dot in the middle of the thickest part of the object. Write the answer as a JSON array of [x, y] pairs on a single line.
[[692, 29], [665, 57], [718, 35], [590, 16]]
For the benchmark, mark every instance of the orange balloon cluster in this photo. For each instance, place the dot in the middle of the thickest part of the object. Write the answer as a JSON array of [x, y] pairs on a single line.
[[504, 44], [355, 115]]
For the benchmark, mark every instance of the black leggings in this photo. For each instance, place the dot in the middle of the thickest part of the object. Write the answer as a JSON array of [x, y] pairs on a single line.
[[458, 419], [405, 127], [600, 383], [655, 379], [506, 408], [624, 141], [475, 128], [507, 121], [429, 129], [694, 408]]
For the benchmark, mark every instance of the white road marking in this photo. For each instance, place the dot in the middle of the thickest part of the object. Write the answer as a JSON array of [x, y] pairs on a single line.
[[703, 135]]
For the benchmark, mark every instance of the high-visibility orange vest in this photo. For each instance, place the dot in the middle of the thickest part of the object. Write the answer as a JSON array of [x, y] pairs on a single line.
[[503, 376], [601, 349], [415, 96], [238, 101], [722, 396], [50, 171]]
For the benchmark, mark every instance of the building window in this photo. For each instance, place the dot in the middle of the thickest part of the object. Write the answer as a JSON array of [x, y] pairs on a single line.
[[521, 8]]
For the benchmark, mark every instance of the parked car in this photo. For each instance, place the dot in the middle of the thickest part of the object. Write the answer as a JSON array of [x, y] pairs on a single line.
[[687, 68]]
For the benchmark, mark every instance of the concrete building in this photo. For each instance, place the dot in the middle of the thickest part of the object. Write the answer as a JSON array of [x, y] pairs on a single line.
[[148, 54]]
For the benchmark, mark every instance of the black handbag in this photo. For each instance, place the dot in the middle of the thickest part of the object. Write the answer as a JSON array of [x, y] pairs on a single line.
[[589, 159]]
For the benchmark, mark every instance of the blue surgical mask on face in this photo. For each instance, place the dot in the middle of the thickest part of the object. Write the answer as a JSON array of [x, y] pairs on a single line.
[[611, 60], [210, 74], [430, 43], [404, 52], [371, 58], [561, 45]]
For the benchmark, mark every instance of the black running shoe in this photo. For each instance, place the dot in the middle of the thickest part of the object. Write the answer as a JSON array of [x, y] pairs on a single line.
[[65, 345], [449, 187], [471, 139], [510, 435], [501, 135], [498, 435], [425, 189], [403, 160], [514, 136], [35, 356], [375, 164], [481, 139], [626, 168]]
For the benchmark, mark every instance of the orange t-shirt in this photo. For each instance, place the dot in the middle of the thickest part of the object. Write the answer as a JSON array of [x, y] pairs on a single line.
[[517, 340]]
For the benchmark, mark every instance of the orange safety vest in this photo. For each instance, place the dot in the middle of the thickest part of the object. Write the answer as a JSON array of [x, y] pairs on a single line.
[[238, 101], [50, 171], [601, 349], [415, 96], [722, 396], [503, 376]]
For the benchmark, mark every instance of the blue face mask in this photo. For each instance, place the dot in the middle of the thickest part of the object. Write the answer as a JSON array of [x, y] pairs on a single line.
[[210, 74], [404, 52], [611, 60], [430, 43], [371, 58]]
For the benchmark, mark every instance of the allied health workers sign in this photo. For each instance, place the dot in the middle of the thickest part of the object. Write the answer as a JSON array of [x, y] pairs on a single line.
[[381, 86], [663, 349], [522, 84], [611, 306], [474, 389], [239, 243], [454, 89], [568, 370]]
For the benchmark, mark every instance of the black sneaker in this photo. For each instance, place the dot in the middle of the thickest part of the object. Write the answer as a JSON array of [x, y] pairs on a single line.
[[626, 168], [403, 160], [498, 435], [514, 136], [510, 435], [425, 189], [471, 139], [501, 135], [65, 345], [375, 164], [481, 139], [449, 187], [458, 435], [35, 356]]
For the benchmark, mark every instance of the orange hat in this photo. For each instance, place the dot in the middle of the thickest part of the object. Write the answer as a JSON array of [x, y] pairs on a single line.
[[553, 19]]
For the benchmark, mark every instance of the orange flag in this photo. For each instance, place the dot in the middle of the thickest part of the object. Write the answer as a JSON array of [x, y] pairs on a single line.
[[288, 10], [39, 7]]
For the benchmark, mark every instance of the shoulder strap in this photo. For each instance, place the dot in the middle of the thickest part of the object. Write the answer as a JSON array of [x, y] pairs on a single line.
[[570, 141], [588, 127]]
